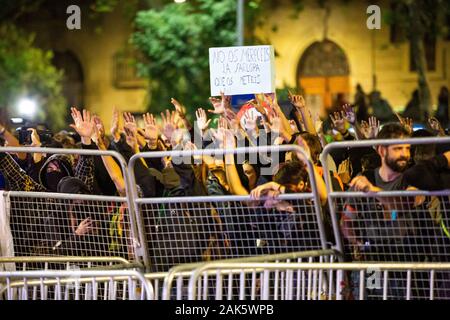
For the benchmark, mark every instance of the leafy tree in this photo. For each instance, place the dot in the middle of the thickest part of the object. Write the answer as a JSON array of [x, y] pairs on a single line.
[[27, 71], [175, 41], [417, 18]]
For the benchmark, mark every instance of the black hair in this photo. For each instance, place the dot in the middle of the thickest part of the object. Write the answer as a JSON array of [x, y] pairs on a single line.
[[290, 174], [314, 145], [393, 130]]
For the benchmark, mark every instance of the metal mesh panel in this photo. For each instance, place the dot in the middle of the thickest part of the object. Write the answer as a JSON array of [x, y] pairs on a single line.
[[398, 229], [186, 232], [48, 227], [395, 230]]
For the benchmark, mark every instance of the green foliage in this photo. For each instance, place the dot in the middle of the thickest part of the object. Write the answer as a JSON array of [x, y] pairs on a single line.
[[175, 42], [27, 71]]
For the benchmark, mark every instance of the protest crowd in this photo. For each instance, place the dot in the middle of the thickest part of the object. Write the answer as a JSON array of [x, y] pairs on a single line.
[[262, 224]]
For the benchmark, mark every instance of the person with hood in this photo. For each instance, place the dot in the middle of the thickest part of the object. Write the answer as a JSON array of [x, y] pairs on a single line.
[[56, 166]]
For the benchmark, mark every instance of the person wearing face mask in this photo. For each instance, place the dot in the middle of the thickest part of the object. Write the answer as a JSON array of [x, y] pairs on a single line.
[[56, 166]]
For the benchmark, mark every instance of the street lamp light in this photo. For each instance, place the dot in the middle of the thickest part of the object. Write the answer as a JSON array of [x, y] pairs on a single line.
[[27, 107]]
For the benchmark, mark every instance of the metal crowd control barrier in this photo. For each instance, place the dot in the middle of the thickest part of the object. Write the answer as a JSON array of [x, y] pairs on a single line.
[[67, 263], [177, 230], [182, 272], [44, 223], [392, 226], [408, 233], [70, 285], [305, 281]]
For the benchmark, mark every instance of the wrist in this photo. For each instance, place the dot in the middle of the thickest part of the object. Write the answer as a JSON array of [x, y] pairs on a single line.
[[86, 140]]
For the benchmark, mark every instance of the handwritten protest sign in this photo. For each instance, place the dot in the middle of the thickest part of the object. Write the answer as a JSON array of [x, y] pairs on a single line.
[[242, 70]]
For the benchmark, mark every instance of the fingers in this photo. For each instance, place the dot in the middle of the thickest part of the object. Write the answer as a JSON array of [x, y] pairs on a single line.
[[164, 120]]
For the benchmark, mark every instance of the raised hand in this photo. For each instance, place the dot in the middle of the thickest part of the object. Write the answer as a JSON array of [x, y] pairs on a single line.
[[348, 114], [179, 108], [99, 130], [151, 129], [223, 135], [83, 125], [436, 126], [130, 122], [250, 122], [220, 105], [407, 123], [297, 100], [274, 122], [131, 138], [364, 129], [116, 125], [202, 119], [374, 127], [35, 140], [258, 105], [338, 122], [169, 124]]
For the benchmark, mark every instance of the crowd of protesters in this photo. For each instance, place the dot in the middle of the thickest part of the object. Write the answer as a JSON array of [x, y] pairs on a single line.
[[261, 121]]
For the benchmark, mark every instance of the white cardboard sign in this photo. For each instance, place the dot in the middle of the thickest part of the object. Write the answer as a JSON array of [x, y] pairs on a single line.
[[242, 70]]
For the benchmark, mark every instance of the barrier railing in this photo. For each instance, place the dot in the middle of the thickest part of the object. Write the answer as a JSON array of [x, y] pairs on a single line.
[[390, 225], [80, 285], [182, 272], [55, 224], [177, 230], [304, 281], [60, 263]]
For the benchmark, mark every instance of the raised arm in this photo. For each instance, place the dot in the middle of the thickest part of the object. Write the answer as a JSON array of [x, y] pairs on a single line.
[[226, 140], [84, 125], [113, 169], [303, 111], [181, 111]]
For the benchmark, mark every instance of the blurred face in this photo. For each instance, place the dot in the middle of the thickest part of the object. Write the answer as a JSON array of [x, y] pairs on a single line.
[[396, 157], [250, 172]]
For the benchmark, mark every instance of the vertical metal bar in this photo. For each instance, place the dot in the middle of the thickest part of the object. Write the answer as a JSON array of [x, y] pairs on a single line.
[[230, 286], [219, 289], [303, 284], [205, 286], [432, 285], [265, 284], [408, 285], [242, 285], [362, 277], [179, 287], [385, 284], [338, 285], [77, 289], [253, 294], [58, 289], [314, 285], [275, 289]]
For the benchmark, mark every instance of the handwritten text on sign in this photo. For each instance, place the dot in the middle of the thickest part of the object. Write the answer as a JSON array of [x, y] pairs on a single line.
[[242, 70]]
